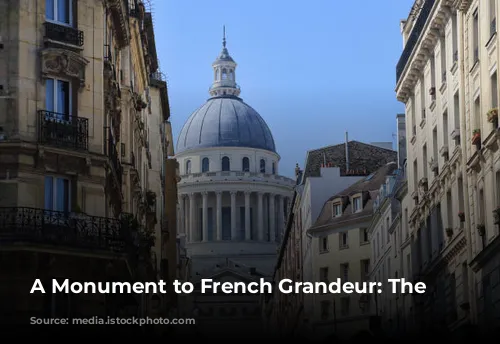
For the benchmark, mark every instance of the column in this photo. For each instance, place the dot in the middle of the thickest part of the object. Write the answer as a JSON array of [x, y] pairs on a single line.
[[205, 216], [234, 230], [248, 230], [192, 229], [272, 219], [219, 215], [281, 218], [260, 216], [182, 223]]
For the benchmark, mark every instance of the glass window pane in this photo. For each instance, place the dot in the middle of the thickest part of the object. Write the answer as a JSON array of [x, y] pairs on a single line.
[[63, 99], [49, 193], [63, 7], [49, 9], [49, 95], [60, 194]]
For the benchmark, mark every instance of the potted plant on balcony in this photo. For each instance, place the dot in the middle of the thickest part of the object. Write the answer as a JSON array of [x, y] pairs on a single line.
[[476, 137], [77, 213], [449, 232], [493, 117], [496, 214], [481, 229], [461, 216]]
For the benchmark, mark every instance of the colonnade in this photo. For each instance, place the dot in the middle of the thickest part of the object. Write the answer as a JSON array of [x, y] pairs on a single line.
[[235, 218]]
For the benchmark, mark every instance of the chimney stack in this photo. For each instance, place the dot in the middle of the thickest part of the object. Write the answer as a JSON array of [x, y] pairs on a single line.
[[297, 170], [401, 139], [346, 152]]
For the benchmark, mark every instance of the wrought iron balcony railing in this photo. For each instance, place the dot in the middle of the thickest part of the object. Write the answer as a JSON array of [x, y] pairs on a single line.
[[35, 225], [62, 33], [63, 130], [415, 34]]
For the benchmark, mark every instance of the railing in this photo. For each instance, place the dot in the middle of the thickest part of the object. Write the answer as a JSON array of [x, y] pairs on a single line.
[[157, 76], [63, 34], [112, 153], [63, 130], [35, 225], [236, 175], [414, 36]]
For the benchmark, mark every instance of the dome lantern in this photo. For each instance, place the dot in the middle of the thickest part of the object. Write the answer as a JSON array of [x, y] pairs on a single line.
[[224, 73]]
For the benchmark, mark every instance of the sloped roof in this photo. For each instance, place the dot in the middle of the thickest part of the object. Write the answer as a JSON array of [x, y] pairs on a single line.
[[368, 186], [363, 159]]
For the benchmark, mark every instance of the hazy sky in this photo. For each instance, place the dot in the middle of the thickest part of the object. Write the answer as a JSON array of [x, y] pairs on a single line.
[[311, 69]]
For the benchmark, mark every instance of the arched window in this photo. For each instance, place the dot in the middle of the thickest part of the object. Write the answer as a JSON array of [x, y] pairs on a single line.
[[246, 165], [274, 167], [205, 165], [262, 166], [188, 167], [231, 74], [224, 74], [226, 166]]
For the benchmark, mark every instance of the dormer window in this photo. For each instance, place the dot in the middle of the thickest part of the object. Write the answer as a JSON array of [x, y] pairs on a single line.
[[337, 209], [356, 204]]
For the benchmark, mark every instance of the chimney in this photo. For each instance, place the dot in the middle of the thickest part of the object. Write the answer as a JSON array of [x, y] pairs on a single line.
[[401, 139], [346, 152], [297, 170]]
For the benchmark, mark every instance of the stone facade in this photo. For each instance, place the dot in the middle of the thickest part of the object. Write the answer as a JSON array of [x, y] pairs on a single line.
[[79, 121], [447, 78]]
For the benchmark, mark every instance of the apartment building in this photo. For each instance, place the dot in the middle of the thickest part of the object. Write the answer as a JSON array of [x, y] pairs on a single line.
[[432, 82], [327, 171], [79, 118], [480, 59]]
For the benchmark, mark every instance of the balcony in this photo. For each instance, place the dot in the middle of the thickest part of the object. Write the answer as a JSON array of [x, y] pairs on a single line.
[[63, 131], [414, 37], [63, 34], [41, 226]]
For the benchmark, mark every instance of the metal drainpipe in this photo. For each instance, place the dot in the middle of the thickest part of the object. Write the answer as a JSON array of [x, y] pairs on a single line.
[[465, 179]]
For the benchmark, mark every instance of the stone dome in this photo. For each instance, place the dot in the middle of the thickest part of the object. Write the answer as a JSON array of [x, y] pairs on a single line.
[[225, 121]]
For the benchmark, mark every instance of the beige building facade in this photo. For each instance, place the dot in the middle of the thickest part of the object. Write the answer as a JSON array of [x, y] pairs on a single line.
[[76, 145], [447, 78]]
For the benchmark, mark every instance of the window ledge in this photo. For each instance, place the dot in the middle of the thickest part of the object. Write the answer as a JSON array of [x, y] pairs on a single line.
[[491, 42], [474, 66], [454, 68]]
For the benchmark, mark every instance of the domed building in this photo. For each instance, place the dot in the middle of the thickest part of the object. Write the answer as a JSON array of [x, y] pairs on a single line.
[[232, 199]]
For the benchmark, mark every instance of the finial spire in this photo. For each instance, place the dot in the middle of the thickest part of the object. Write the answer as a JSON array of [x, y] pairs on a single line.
[[224, 36]]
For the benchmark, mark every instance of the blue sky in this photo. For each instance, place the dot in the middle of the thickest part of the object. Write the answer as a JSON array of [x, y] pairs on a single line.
[[311, 69]]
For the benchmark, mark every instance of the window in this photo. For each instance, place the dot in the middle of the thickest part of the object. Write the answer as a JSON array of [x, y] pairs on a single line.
[[475, 37], [365, 269], [337, 209], [493, 17], [325, 309], [344, 270], [262, 166], [58, 99], [273, 167], [59, 11], [323, 244], [343, 243], [57, 194], [388, 226], [323, 275], [344, 306], [363, 235], [188, 167], [245, 164], [226, 165], [356, 204], [205, 165], [224, 74], [494, 90]]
